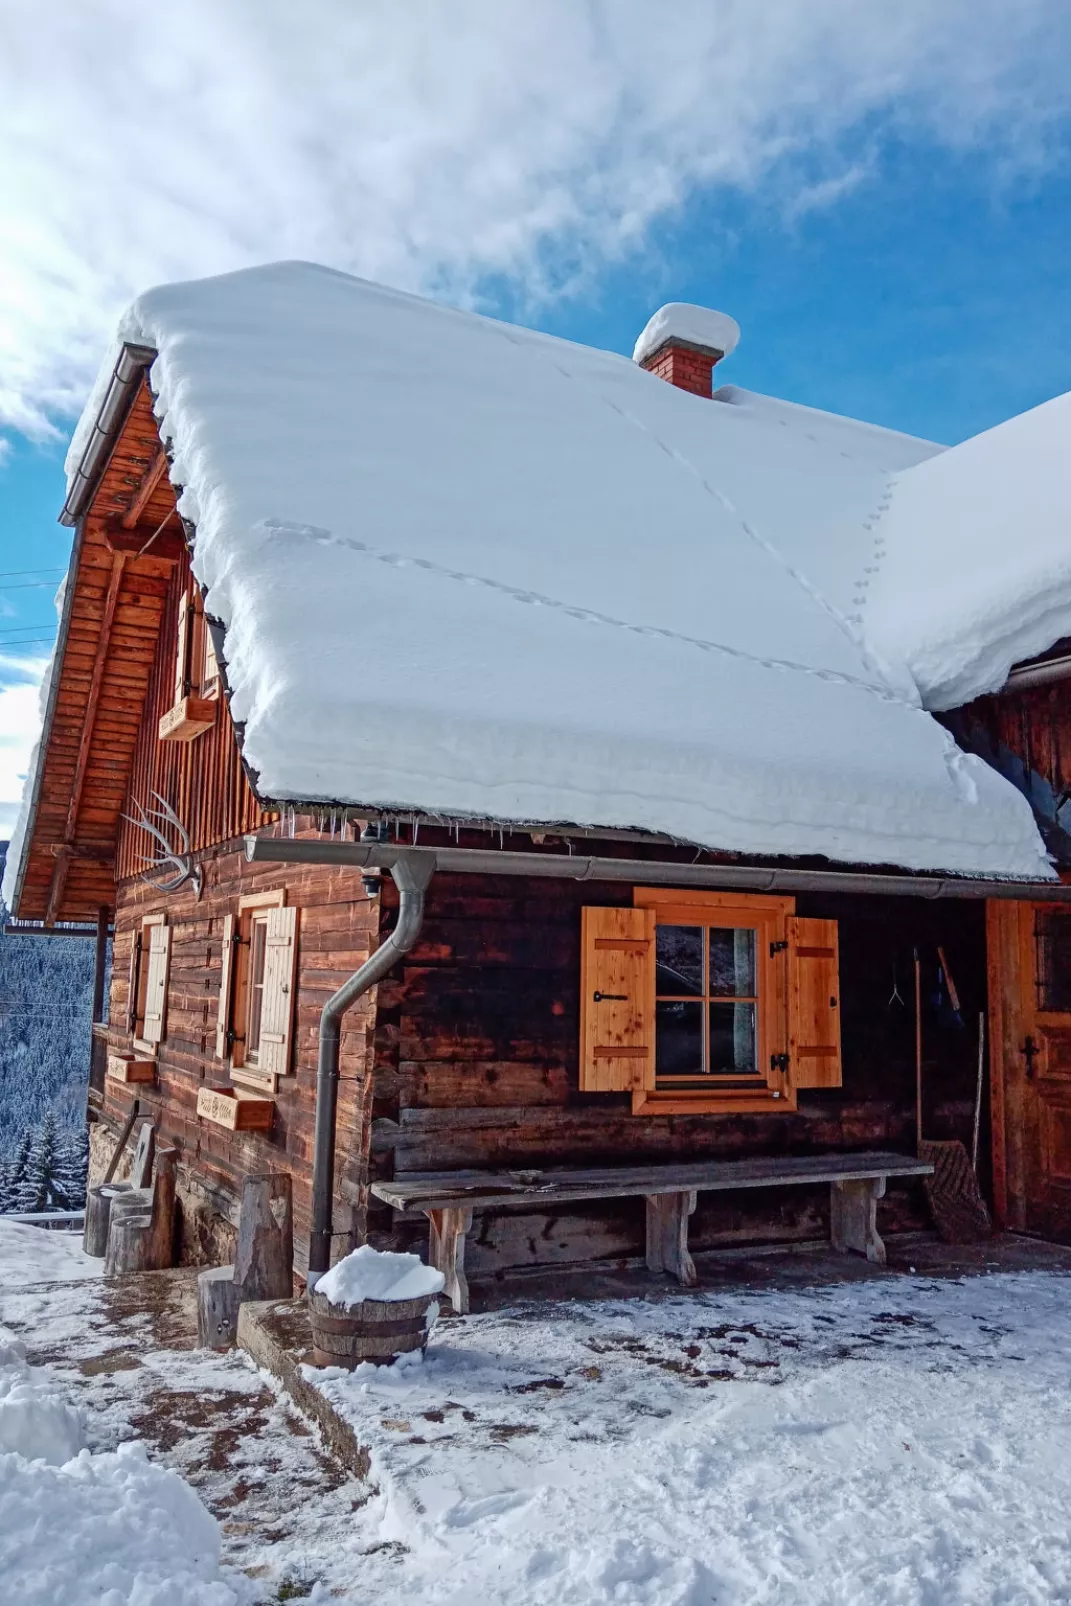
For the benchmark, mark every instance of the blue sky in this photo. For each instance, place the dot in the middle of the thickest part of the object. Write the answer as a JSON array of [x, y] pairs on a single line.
[[883, 205]]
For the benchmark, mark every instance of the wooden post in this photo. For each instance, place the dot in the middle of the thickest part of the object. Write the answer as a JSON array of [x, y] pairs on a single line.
[[144, 1151], [853, 1217], [446, 1252], [160, 1251], [100, 963], [667, 1235], [264, 1260], [142, 1223], [217, 1308]]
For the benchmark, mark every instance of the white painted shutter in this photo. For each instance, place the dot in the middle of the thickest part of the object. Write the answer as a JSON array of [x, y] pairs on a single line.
[[277, 1010], [152, 1030], [226, 983], [182, 646]]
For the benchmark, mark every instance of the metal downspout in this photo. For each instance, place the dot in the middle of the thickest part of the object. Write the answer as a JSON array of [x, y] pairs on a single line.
[[411, 876]]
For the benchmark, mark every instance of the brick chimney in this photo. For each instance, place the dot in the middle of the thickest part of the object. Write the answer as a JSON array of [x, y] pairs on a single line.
[[682, 343]]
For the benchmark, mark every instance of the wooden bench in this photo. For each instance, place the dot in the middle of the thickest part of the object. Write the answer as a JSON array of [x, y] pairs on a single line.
[[448, 1199]]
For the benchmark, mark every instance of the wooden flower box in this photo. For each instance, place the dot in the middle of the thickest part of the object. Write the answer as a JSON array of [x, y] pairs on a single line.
[[190, 717], [237, 1112], [128, 1068]]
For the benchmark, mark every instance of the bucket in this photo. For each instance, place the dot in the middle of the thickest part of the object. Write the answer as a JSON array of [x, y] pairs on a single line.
[[376, 1330]]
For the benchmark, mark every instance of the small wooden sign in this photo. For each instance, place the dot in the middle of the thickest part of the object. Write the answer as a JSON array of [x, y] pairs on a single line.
[[189, 717], [238, 1112], [125, 1068]]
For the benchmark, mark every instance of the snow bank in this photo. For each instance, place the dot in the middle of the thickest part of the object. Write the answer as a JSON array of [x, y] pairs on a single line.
[[30, 1254], [370, 1273], [86, 1529], [701, 326], [973, 569], [477, 571]]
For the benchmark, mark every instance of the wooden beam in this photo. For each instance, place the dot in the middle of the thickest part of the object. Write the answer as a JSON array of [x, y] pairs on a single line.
[[65, 853], [133, 539], [149, 481]]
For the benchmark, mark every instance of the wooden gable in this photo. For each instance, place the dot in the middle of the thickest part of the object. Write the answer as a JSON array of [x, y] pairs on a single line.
[[100, 747]]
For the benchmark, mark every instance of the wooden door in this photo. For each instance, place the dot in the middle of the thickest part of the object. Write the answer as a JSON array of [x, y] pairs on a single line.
[[1030, 1023]]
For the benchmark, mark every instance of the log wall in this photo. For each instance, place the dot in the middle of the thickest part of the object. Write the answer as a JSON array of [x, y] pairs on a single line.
[[476, 1065], [337, 929]]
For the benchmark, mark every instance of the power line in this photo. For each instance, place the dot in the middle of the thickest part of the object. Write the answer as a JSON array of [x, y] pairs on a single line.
[[31, 585], [10, 574]]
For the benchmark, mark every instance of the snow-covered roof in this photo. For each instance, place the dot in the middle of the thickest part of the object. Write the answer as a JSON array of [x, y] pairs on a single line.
[[474, 570], [972, 557]]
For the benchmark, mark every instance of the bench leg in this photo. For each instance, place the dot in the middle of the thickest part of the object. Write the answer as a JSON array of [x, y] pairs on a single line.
[[853, 1216], [667, 1235], [446, 1251]]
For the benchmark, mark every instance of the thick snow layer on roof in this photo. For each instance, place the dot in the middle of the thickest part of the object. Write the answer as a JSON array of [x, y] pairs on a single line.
[[700, 326], [972, 557], [475, 570]]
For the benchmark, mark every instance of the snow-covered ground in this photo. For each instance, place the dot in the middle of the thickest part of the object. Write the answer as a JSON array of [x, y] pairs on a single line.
[[895, 1441], [30, 1254], [900, 1441]]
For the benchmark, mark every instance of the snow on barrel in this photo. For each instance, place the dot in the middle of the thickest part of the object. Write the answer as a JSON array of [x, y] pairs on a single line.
[[373, 1306]]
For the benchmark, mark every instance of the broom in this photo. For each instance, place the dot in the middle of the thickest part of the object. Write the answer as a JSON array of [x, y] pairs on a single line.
[[956, 1204]]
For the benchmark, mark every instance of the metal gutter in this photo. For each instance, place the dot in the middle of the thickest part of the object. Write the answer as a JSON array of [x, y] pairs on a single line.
[[411, 873], [1039, 674], [130, 364], [646, 872]]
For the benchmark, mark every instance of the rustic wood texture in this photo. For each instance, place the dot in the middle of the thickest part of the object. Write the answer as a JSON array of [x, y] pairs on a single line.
[[339, 926], [448, 1229], [217, 1308], [853, 1218], [667, 1235], [116, 680], [477, 1067], [264, 1259], [200, 774]]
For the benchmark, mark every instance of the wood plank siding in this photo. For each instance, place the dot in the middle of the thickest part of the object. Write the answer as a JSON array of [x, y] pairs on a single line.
[[338, 929], [203, 780]]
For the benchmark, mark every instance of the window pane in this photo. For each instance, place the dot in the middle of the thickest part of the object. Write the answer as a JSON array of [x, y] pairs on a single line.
[[678, 1039], [733, 1050], [732, 962], [679, 958], [1053, 931], [257, 936]]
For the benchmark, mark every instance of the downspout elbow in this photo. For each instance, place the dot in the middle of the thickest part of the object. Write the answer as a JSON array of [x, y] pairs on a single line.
[[411, 876]]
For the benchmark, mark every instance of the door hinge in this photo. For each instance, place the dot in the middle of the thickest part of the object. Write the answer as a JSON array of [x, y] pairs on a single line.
[[777, 948], [779, 1062]]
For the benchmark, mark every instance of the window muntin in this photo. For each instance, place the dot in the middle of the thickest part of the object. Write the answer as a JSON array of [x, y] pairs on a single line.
[[254, 1000], [706, 1006]]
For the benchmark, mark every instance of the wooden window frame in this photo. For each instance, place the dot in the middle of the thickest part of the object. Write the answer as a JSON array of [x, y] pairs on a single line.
[[139, 982], [768, 917], [253, 909], [197, 680]]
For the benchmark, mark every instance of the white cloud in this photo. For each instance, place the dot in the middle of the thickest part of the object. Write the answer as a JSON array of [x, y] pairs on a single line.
[[5, 450], [430, 145], [20, 722]]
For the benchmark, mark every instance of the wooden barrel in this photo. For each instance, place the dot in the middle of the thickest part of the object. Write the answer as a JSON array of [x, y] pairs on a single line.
[[377, 1330]]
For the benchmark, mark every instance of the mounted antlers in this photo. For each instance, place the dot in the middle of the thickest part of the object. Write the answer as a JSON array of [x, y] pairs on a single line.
[[179, 860]]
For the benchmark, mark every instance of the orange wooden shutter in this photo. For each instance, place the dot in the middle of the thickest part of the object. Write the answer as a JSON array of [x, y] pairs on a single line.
[[226, 974], [617, 1012], [152, 1029], [280, 968], [813, 1003], [132, 993]]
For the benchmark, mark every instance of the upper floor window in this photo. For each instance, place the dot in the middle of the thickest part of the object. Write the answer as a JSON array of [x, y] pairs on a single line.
[[197, 681]]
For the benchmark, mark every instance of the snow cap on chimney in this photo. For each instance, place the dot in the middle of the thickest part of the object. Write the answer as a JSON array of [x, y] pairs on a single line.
[[681, 344]]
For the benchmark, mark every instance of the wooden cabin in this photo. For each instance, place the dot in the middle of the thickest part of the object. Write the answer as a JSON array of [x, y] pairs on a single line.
[[387, 623]]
